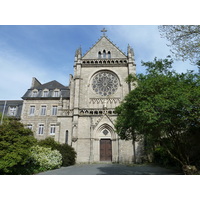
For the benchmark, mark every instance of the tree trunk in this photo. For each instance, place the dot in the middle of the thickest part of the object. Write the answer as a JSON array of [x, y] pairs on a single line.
[[134, 152], [189, 169]]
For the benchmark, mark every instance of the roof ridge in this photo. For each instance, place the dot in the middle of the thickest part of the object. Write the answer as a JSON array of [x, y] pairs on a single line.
[[53, 81], [50, 84]]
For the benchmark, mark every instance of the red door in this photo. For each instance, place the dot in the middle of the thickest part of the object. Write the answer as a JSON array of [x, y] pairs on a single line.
[[105, 150]]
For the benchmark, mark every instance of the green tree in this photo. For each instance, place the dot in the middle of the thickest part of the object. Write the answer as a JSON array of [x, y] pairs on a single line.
[[184, 41], [3, 118], [15, 143], [165, 106]]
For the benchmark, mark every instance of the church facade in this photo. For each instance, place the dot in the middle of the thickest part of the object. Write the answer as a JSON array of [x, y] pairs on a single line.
[[82, 113]]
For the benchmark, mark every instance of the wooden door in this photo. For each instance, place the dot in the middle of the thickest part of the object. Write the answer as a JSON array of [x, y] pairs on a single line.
[[105, 150]]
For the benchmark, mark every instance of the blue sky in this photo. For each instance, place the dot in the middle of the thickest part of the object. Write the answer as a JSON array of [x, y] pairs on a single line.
[[47, 52]]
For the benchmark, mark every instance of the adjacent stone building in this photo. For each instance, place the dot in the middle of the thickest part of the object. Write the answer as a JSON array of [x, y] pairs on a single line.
[[82, 114], [11, 108]]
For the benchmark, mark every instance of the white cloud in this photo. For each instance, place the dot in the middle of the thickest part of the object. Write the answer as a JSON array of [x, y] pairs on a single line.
[[17, 72], [147, 44], [144, 39]]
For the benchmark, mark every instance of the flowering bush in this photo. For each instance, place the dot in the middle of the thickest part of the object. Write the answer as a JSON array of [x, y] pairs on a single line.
[[46, 158], [68, 153]]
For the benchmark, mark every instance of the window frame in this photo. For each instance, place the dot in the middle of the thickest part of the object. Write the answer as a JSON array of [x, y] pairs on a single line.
[[43, 110], [34, 93], [30, 110], [30, 126], [54, 110], [52, 129], [45, 93], [41, 129], [12, 112], [56, 93], [109, 55], [104, 53]]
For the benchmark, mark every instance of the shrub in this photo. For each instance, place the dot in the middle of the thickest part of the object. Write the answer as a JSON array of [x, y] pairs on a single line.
[[49, 142], [67, 152], [162, 157], [68, 155], [45, 158]]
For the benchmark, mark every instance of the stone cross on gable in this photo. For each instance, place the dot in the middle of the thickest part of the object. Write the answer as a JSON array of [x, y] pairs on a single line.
[[104, 31]]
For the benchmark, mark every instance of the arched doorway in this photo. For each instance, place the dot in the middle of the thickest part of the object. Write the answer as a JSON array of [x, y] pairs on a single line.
[[105, 143], [105, 150], [106, 137]]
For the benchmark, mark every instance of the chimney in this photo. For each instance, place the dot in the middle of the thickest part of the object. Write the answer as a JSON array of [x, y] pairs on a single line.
[[35, 83]]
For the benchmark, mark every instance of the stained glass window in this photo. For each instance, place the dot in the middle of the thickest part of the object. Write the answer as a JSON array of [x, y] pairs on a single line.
[[105, 83]]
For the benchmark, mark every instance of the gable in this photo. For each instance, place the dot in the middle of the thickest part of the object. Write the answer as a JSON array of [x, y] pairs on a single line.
[[104, 44], [104, 119]]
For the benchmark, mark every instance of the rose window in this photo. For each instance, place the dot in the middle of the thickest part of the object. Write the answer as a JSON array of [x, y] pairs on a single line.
[[105, 83]]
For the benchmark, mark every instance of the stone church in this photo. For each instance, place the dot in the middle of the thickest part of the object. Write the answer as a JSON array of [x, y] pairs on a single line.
[[82, 113]]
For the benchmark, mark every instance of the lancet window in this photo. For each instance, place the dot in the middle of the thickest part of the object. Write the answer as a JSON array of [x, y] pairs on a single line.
[[104, 54]]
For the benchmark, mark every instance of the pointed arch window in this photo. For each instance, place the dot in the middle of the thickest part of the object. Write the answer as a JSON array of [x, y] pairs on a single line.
[[99, 54], [104, 53], [66, 136], [109, 54]]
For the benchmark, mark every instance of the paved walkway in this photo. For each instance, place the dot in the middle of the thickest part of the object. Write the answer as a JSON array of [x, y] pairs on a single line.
[[110, 169]]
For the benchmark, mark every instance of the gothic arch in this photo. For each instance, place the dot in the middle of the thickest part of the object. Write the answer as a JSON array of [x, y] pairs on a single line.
[[104, 53], [99, 54], [99, 133], [109, 55], [99, 136], [102, 70]]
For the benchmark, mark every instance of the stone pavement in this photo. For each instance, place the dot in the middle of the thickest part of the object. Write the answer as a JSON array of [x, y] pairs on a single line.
[[110, 169]]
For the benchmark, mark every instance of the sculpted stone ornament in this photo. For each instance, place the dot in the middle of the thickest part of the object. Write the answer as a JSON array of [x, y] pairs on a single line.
[[104, 31], [74, 139], [105, 83], [105, 132]]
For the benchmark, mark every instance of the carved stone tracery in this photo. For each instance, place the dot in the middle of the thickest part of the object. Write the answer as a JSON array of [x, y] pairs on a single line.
[[105, 61], [97, 111], [102, 100], [105, 83]]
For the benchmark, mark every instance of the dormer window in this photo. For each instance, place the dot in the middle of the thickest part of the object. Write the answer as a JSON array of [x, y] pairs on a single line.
[[34, 93], [45, 93], [56, 93]]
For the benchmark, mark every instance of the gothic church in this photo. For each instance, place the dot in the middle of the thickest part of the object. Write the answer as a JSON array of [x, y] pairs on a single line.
[[82, 114]]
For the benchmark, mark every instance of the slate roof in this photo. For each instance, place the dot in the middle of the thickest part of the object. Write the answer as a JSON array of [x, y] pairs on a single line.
[[51, 86]]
